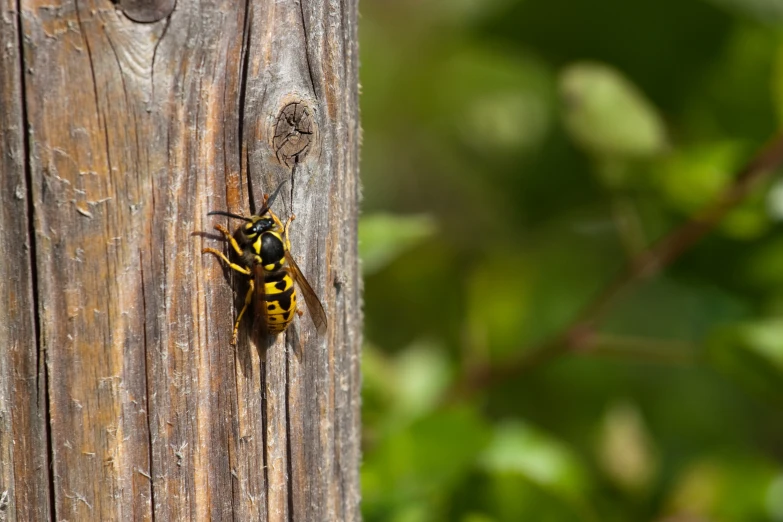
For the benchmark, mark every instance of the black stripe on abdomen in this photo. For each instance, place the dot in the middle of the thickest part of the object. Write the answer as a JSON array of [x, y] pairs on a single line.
[[273, 277], [283, 298]]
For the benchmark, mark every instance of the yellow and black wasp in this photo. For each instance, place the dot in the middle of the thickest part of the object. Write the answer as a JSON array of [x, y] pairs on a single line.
[[264, 252]]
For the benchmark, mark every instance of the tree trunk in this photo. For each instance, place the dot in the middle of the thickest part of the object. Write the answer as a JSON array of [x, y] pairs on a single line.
[[123, 124]]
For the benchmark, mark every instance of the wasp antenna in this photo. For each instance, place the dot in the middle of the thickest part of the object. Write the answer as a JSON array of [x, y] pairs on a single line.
[[228, 214], [272, 198]]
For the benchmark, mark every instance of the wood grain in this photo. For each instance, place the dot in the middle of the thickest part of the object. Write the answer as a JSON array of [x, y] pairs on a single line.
[[24, 466], [135, 131]]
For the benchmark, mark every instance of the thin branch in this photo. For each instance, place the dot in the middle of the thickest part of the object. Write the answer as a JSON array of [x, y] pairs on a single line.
[[579, 335]]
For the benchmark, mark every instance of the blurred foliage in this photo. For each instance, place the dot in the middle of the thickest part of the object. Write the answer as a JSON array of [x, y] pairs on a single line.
[[516, 154]]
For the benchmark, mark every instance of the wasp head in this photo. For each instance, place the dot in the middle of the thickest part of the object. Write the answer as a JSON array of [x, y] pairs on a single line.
[[257, 226]]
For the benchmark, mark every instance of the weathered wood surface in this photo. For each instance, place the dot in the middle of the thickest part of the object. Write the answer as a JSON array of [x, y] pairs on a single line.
[[24, 463], [120, 396]]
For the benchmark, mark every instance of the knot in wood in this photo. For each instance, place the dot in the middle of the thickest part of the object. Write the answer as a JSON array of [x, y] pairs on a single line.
[[146, 11], [294, 133]]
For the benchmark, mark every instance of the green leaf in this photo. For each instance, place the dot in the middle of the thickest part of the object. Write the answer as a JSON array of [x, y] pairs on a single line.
[[693, 177], [415, 512], [383, 237], [499, 324], [774, 498], [767, 11], [421, 462], [696, 176], [752, 353], [777, 80], [477, 517], [727, 488], [764, 267], [462, 12], [517, 297], [519, 448], [669, 309], [407, 385], [499, 103], [422, 373], [607, 115], [775, 201], [625, 450]]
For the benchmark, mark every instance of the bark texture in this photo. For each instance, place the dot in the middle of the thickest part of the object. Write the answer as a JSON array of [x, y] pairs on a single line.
[[124, 124]]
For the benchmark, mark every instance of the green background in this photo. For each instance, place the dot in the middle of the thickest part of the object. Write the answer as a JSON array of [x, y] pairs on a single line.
[[516, 155]]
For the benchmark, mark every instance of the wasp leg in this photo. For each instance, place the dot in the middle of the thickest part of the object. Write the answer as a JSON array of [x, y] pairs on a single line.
[[230, 239], [285, 230], [248, 300], [222, 256]]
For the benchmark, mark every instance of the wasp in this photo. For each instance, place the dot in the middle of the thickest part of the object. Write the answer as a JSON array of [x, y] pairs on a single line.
[[264, 252]]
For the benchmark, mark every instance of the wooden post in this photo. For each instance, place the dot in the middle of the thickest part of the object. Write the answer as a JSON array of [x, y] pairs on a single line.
[[124, 123]]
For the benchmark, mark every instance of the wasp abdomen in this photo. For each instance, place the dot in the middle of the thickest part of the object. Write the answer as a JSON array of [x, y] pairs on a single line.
[[279, 293], [279, 299]]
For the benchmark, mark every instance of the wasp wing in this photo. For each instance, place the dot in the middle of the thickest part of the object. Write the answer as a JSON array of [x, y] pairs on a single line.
[[314, 306]]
